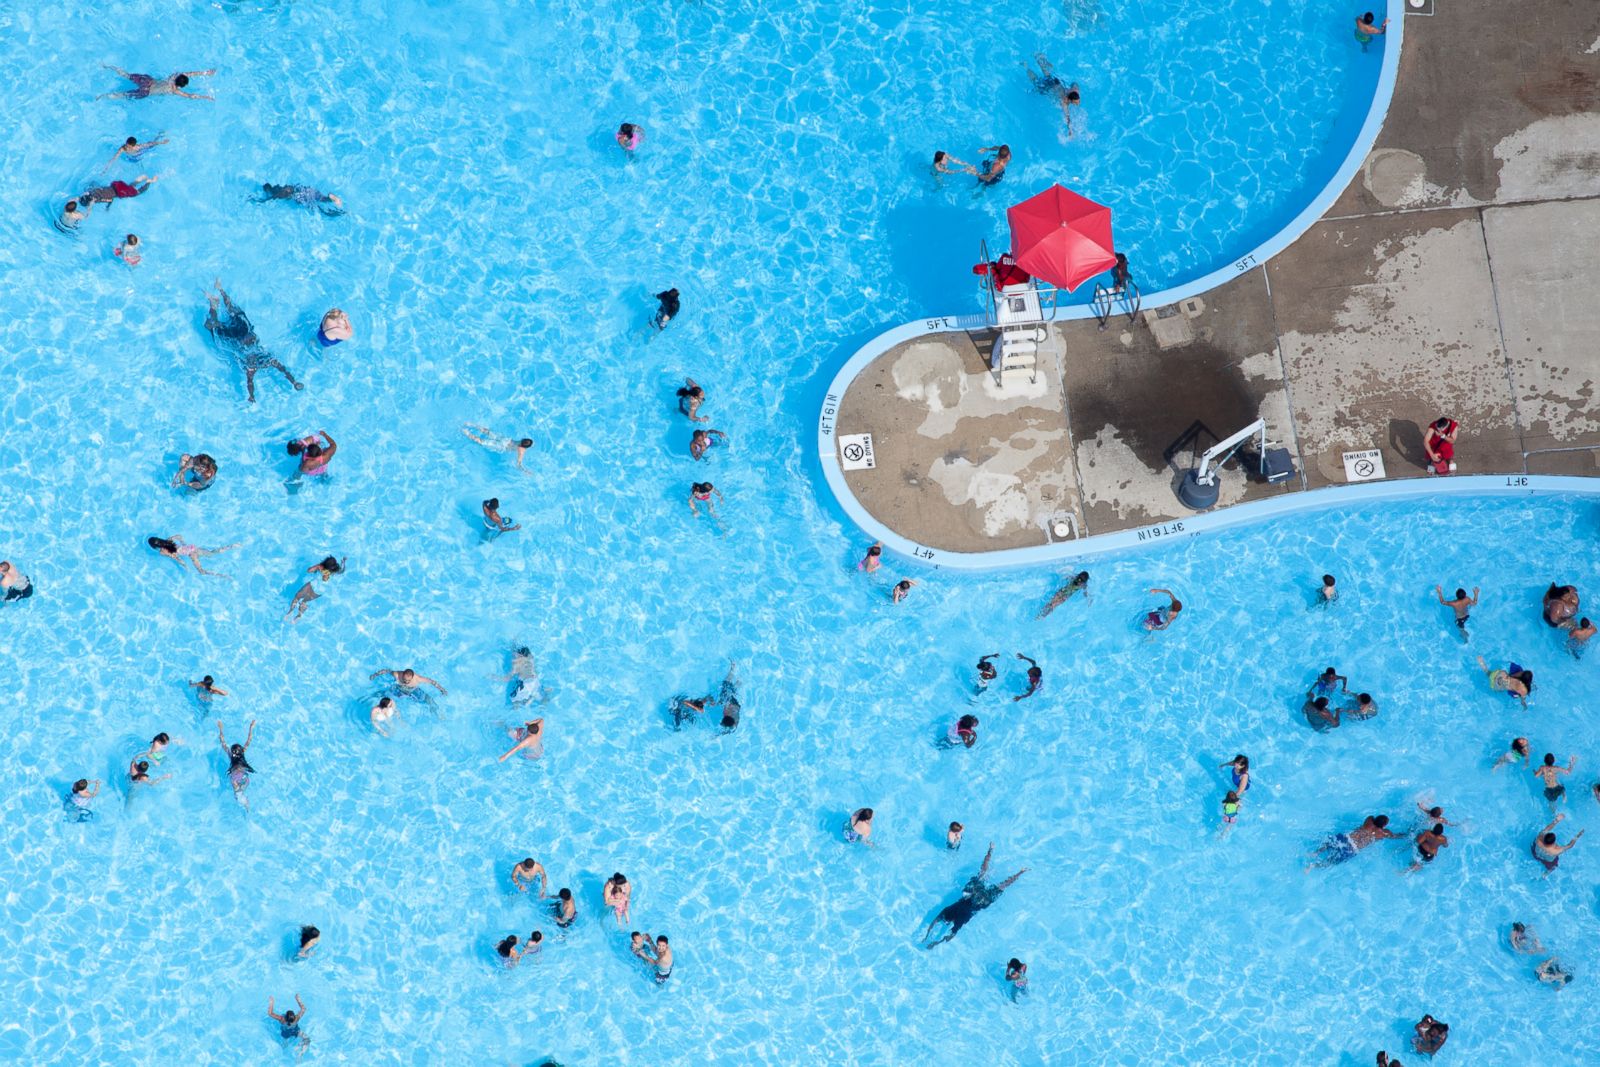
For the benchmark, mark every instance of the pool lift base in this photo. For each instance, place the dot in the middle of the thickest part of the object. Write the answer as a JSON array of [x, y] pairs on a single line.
[[1200, 489]]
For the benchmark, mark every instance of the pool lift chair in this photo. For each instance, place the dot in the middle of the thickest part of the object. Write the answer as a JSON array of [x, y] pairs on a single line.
[[1199, 488], [1019, 308]]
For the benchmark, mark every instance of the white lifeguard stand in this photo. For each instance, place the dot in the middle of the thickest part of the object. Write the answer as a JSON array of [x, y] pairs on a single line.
[[1019, 309]]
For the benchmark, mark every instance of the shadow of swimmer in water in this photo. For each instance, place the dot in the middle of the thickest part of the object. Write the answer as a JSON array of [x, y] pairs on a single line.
[[975, 896]]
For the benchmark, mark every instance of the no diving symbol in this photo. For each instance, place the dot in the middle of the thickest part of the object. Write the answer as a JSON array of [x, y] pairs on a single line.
[[1365, 465], [856, 451], [1364, 468]]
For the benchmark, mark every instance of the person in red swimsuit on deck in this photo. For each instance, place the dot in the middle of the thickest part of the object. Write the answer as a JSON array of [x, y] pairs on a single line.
[[1440, 444]]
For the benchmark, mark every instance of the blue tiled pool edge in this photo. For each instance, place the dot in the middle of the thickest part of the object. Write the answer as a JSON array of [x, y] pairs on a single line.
[[1251, 512]]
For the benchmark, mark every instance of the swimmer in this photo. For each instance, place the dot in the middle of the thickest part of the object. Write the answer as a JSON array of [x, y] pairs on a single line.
[[310, 938], [617, 894], [304, 195], [207, 690], [1230, 810], [157, 752], [308, 592], [1035, 678], [314, 458], [1550, 775], [901, 590], [1547, 850], [1047, 83], [383, 715], [1431, 1035], [1078, 584], [133, 148], [1121, 276], [407, 682], [873, 559], [178, 550], [1161, 618], [128, 250], [564, 909], [1434, 813], [1364, 707], [1429, 842], [1366, 29], [1319, 715], [952, 837], [145, 86], [994, 169], [986, 672], [235, 335], [510, 952], [690, 397], [1341, 847], [702, 492], [239, 769], [17, 586], [731, 712], [84, 790], [661, 958], [1524, 940], [139, 774], [686, 710], [976, 895], [72, 214], [1239, 772], [1384, 1061], [489, 439], [117, 190], [728, 695], [1017, 975], [630, 135], [945, 163], [1323, 686], [1560, 606], [1517, 753], [289, 1023], [859, 827], [526, 673], [701, 441], [1579, 636], [493, 523], [1328, 592], [1461, 604], [1553, 973], [1513, 681], [524, 874], [667, 310], [334, 329], [529, 738], [195, 473], [963, 732]]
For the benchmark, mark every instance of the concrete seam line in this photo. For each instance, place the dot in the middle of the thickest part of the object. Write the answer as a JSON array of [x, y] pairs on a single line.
[[1500, 328], [1288, 387]]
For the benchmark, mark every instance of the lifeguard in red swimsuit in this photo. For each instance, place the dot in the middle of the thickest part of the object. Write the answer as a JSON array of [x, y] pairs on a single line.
[[1440, 444]]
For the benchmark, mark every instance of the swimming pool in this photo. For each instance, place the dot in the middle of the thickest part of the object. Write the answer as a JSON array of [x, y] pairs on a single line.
[[498, 261]]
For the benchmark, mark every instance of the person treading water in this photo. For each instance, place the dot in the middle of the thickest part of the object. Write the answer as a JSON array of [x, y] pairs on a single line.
[[975, 896]]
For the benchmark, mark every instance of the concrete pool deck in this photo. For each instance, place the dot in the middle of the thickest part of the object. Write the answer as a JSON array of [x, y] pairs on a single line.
[[1453, 275]]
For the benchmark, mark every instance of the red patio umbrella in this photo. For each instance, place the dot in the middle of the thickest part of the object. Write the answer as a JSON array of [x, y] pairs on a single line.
[[1062, 237]]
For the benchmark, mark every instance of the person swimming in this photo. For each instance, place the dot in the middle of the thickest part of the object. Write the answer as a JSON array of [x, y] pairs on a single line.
[[310, 937], [195, 473], [289, 1022], [975, 897], [525, 672], [1046, 83], [690, 397], [1239, 772], [1161, 618], [1561, 603], [630, 135], [308, 592], [1035, 678], [660, 959], [667, 309], [529, 738], [1515, 681], [494, 524], [993, 167], [945, 163], [239, 769], [700, 442], [858, 828], [963, 733], [952, 836], [1078, 584], [235, 335], [83, 792], [17, 586], [986, 673], [334, 329], [314, 456], [304, 195], [564, 909], [144, 85]]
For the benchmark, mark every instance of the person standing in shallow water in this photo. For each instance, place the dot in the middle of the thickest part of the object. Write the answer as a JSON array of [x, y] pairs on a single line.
[[1461, 604], [1367, 29], [667, 309]]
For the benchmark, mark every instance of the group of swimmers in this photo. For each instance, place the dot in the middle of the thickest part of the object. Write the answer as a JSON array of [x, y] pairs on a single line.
[[616, 894], [994, 159]]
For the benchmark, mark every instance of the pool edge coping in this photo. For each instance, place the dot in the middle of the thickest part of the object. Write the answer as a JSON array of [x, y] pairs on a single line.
[[1096, 544]]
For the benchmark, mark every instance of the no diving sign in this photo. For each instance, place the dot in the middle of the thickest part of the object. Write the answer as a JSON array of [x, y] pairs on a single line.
[[1364, 466], [855, 451]]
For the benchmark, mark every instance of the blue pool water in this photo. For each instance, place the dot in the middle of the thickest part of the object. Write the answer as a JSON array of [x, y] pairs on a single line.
[[497, 262]]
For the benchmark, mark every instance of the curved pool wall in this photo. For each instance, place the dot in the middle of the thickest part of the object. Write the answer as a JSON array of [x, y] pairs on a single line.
[[826, 425]]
